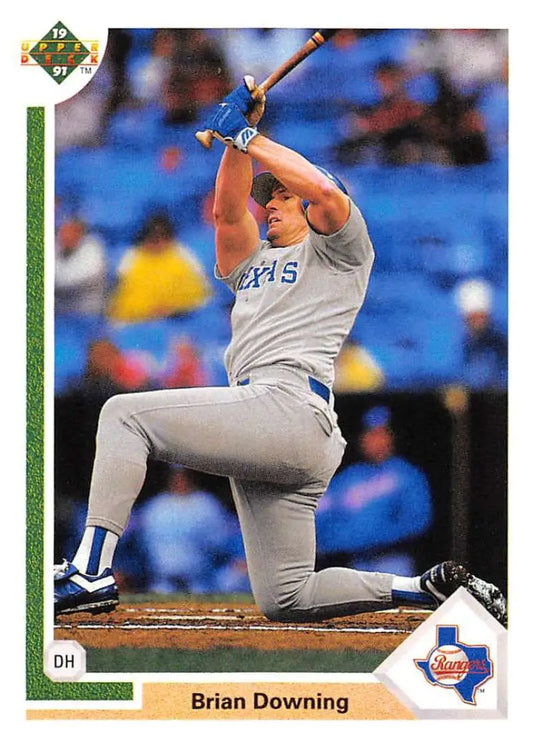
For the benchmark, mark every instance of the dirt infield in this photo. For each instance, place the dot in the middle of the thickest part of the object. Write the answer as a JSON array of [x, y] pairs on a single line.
[[202, 626]]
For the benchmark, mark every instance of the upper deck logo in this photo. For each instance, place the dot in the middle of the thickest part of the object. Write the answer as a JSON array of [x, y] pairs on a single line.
[[59, 53], [455, 665]]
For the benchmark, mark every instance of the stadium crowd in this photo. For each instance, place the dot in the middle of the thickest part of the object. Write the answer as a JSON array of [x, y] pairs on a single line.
[[413, 121]]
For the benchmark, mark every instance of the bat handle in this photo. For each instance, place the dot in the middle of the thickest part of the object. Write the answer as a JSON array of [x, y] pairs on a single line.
[[205, 138]]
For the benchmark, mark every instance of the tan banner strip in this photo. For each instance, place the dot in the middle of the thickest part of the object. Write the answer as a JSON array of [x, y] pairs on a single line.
[[218, 701]]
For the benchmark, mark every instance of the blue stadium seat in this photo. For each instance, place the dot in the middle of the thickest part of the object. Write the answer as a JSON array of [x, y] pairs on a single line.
[[209, 324], [358, 88], [496, 237], [153, 336], [500, 307], [448, 222], [391, 45], [72, 336], [401, 292], [116, 218], [136, 128], [312, 106], [200, 238], [411, 329], [79, 169], [313, 141]]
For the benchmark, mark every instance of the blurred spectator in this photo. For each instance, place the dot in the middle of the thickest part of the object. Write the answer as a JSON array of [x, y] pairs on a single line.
[[396, 130], [356, 370], [110, 371], [184, 367], [484, 346], [469, 58], [150, 70], [80, 270], [468, 65], [158, 277], [402, 129], [184, 531], [374, 509], [198, 76], [170, 159], [346, 39], [457, 123], [82, 118], [117, 54]]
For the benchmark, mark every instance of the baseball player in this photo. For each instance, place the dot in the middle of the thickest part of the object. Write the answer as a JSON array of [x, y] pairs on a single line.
[[274, 430]]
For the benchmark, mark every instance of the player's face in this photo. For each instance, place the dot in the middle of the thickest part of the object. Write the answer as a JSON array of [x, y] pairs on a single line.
[[286, 224]]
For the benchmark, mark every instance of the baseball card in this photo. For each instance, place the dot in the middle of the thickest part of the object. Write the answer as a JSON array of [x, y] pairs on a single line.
[[265, 276]]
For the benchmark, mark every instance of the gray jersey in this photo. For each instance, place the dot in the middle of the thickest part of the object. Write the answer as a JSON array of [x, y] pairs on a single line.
[[295, 305]]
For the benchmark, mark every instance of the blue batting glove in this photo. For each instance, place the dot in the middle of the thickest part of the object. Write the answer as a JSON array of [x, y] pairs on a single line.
[[228, 121], [242, 98]]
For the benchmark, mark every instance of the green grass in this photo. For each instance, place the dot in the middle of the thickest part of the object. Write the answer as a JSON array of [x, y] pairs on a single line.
[[129, 659], [234, 660]]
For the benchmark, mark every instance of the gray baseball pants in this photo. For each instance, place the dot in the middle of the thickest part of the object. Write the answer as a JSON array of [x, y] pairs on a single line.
[[279, 444]]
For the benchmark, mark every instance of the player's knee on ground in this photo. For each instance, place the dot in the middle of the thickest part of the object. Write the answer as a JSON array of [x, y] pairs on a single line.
[[287, 614], [275, 612], [284, 608]]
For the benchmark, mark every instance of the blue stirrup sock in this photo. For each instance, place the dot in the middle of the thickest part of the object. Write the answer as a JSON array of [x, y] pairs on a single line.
[[407, 591], [95, 551]]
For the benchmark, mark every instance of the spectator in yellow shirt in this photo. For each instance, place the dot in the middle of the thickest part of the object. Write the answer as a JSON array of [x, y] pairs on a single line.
[[158, 277]]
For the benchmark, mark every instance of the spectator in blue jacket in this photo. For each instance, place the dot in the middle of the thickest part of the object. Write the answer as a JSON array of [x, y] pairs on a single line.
[[185, 531], [374, 509]]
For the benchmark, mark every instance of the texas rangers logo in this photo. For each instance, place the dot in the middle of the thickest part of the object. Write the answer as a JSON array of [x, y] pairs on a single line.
[[454, 665]]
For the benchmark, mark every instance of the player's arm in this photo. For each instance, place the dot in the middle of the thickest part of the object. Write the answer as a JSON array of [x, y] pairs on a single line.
[[328, 208], [236, 231]]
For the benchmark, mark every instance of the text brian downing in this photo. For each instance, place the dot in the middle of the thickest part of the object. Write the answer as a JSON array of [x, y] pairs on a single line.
[[317, 702]]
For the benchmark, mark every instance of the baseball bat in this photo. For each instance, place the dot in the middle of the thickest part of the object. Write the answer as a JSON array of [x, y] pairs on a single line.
[[317, 39]]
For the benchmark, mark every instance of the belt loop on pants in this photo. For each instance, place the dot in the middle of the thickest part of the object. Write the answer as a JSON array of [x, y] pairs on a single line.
[[319, 388], [315, 385]]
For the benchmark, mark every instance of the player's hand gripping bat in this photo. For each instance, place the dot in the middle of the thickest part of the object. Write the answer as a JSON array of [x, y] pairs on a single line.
[[311, 45]]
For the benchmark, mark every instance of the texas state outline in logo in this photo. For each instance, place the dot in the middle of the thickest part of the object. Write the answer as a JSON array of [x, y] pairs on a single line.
[[454, 665]]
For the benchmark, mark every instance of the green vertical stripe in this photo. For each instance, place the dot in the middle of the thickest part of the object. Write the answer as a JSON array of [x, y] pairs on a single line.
[[34, 395], [38, 686]]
